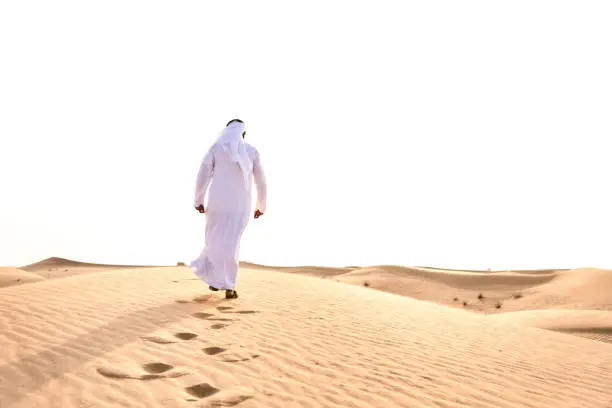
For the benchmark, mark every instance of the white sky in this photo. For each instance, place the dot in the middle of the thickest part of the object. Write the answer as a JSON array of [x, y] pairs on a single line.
[[468, 134]]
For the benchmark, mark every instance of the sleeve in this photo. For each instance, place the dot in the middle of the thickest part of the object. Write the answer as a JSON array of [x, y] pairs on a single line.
[[204, 178], [259, 177]]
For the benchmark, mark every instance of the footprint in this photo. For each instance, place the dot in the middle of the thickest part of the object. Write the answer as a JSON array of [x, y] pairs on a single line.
[[186, 336], [238, 357], [211, 317], [218, 326], [158, 339], [211, 351], [245, 312], [166, 340], [202, 298], [231, 397], [197, 299], [154, 371], [156, 368], [201, 315], [202, 390], [228, 309], [112, 373]]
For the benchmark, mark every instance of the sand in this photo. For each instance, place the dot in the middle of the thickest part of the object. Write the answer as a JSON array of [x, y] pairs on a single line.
[[53, 268], [577, 301], [14, 276], [135, 337]]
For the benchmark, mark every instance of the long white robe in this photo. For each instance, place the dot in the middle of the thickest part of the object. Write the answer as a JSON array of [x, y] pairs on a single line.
[[228, 212]]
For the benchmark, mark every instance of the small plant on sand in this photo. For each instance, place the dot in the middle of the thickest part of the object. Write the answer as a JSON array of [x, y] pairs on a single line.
[[480, 296], [465, 303], [498, 305], [517, 296], [366, 284], [455, 299]]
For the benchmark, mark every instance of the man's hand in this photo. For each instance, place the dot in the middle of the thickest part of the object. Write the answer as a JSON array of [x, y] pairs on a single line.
[[258, 214], [200, 209]]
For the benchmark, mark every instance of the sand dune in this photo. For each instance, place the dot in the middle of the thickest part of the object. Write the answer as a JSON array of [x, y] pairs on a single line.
[[317, 271], [585, 288], [522, 271], [497, 292], [133, 338], [13, 276], [53, 268], [593, 324], [55, 262]]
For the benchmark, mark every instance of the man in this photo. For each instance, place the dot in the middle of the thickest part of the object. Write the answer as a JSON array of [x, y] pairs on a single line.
[[230, 167]]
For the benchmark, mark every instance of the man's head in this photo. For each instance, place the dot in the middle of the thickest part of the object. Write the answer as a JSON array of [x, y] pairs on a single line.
[[236, 120]]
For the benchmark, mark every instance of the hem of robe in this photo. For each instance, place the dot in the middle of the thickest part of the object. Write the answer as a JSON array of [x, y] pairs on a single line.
[[218, 263], [200, 272]]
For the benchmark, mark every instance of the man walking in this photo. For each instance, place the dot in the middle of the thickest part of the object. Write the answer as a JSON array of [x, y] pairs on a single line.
[[229, 167]]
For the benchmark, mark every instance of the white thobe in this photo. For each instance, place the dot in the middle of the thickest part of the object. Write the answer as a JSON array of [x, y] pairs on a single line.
[[228, 212]]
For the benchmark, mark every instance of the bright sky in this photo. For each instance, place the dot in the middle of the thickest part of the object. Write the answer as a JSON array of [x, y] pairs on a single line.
[[468, 134]]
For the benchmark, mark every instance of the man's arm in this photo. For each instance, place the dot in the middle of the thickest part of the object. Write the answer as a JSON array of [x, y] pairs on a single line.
[[205, 174], [259, 177]]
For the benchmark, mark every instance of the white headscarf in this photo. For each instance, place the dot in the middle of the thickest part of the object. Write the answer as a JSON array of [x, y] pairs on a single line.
[[232, 142]]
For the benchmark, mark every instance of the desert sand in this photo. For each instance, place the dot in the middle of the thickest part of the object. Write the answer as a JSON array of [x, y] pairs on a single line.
[[15, 276], [575, 301], [81, 335]]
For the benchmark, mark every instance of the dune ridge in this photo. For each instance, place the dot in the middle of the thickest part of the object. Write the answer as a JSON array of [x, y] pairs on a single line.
[[592, 324], [56, 262], [55, 267], [10, 276], [584, 288], [553, 297], [524, 271]]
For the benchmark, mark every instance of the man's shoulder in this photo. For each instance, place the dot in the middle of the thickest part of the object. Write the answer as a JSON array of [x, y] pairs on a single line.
[[215, 147], [251, 149]]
